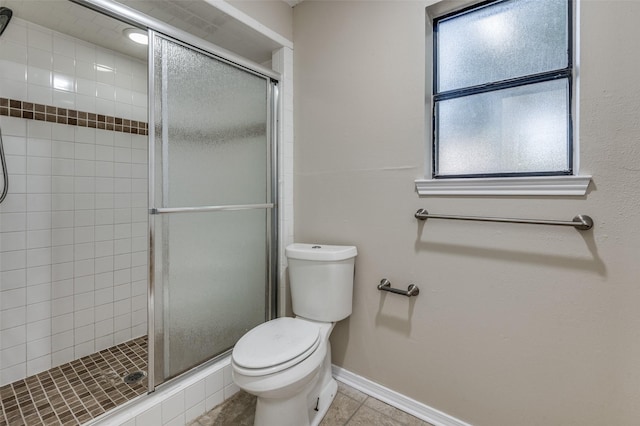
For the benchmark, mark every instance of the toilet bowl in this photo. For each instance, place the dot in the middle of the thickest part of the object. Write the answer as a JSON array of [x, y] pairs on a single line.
[[295, 391], [286, 362]]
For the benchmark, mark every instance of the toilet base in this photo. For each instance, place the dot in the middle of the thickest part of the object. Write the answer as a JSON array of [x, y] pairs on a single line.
[[269, 412], [326, 398], [307, 407]]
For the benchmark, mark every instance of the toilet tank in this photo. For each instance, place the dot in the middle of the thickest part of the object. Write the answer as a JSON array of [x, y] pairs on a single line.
[[321, 280]]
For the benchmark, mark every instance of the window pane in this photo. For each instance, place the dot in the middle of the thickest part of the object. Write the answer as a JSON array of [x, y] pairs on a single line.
[[516, 130], [502, 41]]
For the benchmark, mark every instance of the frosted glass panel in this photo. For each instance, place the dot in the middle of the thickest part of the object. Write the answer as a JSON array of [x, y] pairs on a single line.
[[502, 41], [214, 283], [212, 148], [214, 116], [518, 130]]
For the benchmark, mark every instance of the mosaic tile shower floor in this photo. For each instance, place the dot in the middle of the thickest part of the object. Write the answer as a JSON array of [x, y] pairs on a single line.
[[76, 392]]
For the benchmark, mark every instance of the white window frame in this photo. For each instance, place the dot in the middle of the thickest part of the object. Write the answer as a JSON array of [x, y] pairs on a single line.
[[563, 185]]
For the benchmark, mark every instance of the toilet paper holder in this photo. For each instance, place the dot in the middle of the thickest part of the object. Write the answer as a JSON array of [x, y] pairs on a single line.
[[385, 285]]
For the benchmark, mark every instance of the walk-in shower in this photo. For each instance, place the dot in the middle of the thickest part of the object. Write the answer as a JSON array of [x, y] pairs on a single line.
[[138, 236]]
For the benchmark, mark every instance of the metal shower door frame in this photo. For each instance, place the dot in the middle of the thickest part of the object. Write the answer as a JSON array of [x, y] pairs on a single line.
[[156, 361]]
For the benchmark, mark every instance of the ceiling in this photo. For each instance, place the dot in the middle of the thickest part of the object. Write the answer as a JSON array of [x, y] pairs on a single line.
[[196, 17]]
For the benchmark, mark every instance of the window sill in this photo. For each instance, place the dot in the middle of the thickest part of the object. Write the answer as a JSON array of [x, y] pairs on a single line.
[[539, 185]]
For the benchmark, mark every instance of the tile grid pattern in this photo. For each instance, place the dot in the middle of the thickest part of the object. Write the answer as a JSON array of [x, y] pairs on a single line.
[[46, 67], [52, 114], [73, 244], [349, 408], [73, 229], [76, 392]]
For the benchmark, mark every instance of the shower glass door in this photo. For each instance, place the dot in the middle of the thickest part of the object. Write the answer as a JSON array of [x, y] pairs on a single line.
[[212, 205]]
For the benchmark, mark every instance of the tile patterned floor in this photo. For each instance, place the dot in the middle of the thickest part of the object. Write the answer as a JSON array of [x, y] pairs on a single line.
[[350, 408], [74, 393]]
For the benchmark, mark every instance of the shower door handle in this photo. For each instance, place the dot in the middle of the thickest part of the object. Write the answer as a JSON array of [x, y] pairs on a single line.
[[200, 209]]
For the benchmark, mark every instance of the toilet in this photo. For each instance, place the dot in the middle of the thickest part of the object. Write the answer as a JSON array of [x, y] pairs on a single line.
[[286, 362]]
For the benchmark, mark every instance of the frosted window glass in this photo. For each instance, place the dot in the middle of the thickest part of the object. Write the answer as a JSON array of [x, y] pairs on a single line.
[[517, 130], [502, 41], [215, 117]]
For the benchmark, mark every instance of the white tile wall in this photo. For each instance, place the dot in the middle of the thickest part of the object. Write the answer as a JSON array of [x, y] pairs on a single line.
[[43, 66], [282, 62], [179, 402], [73, 228]]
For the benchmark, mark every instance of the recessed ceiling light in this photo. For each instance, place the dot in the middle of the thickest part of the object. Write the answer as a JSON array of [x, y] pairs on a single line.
[[136, 35]]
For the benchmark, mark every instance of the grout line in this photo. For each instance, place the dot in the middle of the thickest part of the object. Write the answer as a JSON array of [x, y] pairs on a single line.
[[76, 378], [75, 391], [20, 411], [356, 410]]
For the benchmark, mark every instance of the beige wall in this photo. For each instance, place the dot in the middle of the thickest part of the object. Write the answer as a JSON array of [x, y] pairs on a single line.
[[275, 14], [515, 324]]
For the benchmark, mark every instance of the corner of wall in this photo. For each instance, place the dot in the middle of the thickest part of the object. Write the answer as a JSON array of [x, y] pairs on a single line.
[[283, 63]]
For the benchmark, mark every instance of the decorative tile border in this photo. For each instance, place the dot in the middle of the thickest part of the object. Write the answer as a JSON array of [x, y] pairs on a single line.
[[52, 114]]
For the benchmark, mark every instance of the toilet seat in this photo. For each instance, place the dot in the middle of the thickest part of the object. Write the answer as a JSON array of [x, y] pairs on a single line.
[[275, 346]]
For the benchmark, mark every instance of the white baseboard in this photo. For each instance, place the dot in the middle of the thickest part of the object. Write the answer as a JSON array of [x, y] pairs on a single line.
[[395, 399]]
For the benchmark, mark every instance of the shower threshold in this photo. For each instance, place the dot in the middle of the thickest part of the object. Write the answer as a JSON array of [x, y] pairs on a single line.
[[76, 392]]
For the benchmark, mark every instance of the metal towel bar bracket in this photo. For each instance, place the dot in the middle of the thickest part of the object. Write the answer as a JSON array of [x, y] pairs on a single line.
[[581, 222], [385, 285]]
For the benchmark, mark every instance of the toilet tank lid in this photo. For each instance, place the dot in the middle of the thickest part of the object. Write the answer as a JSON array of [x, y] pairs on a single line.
[[320, 252]]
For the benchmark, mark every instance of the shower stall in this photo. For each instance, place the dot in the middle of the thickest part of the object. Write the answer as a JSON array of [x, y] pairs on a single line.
[[213, 212], [138, 237]]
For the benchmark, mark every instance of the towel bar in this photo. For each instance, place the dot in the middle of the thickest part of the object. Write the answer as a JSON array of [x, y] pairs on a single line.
[[581, 222]]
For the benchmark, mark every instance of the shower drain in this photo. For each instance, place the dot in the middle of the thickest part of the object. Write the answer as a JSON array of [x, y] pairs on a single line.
[[133, 378]]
